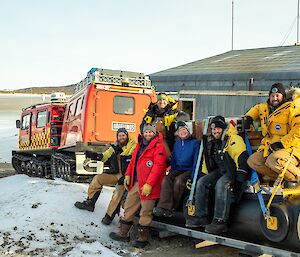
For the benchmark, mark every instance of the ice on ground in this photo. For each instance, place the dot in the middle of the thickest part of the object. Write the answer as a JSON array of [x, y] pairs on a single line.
[[38, 218]]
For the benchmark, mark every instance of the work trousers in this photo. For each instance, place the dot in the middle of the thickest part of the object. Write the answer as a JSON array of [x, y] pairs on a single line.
[[273, 165], [116, 200], [133, 203], [219, 184], [105, 179], [172, 190], [101, 180]]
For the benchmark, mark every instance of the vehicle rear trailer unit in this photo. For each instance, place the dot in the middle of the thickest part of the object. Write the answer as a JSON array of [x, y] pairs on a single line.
[[248, 248]]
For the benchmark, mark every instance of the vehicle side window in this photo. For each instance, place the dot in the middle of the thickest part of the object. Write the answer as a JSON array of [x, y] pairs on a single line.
[[123, 105], [25, 122], [78, 106], [33, 121], [41, 119], [82, 102], [48, 120], [70, 111]]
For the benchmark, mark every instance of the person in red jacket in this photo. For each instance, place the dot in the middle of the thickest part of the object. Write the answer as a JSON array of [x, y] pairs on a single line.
[[143, 179]]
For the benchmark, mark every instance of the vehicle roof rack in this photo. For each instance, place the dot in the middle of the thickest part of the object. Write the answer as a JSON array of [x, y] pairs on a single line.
[[114, 77]]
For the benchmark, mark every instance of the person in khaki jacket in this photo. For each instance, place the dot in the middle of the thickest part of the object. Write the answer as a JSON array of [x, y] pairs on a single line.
[[118, 155], [280, 122]]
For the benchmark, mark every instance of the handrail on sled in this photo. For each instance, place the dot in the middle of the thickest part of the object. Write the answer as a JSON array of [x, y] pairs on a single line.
[[254, 180], [190, 203], [272, 222]]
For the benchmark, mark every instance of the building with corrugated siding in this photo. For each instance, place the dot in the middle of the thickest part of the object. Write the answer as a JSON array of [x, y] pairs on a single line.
[[230, 83]]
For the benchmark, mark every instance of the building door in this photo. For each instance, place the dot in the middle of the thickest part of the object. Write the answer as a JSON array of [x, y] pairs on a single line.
[[188, 105]]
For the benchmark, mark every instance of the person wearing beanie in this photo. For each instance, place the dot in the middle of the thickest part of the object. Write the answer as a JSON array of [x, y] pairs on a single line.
[[225, 163], [163, 114], [183, 163], [149, 127], [279, 122], [117, 156], [143, 178]]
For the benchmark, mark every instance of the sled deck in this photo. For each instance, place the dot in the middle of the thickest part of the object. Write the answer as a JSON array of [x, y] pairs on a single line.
[[248, 247]]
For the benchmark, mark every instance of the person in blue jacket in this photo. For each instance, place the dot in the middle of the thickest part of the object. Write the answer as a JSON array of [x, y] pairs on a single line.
[[183, 164]]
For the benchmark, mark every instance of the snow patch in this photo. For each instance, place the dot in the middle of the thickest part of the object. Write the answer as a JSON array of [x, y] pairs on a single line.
[[38, 218]]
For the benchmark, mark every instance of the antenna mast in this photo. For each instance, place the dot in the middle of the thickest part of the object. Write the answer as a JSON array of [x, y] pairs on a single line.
[[232, 5], [298, 24]]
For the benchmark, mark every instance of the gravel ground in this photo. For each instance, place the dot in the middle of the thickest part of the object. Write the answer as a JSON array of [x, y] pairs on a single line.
[[6, 170], [171, 246]]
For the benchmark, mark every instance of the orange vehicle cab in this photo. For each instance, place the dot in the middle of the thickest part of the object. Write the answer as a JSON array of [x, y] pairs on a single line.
[[104, 101]]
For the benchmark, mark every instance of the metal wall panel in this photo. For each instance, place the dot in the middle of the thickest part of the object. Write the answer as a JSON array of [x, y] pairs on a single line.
[[226, 105]]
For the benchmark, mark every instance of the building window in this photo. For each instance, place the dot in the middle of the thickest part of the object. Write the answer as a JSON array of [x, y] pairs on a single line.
[[123, 105]]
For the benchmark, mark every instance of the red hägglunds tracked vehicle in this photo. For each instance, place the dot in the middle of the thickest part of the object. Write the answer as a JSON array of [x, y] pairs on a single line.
[[54, 136]]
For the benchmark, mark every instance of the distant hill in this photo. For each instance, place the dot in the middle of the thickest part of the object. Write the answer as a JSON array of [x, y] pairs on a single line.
[[68, 90]]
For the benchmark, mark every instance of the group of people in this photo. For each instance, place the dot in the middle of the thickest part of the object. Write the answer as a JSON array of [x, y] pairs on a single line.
[[152, 176]]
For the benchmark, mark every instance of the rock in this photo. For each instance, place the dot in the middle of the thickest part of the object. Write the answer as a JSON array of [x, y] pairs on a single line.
[[90, 241], [65, 251]]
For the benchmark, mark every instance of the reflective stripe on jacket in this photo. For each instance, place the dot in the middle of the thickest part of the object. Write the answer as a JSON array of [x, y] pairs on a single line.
[[282, 125]]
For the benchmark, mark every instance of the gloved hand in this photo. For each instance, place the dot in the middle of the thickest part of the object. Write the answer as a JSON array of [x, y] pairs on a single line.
[[188, 184], [93, 155], [248, 122], [146, 190], [126, 182], [276, 146]]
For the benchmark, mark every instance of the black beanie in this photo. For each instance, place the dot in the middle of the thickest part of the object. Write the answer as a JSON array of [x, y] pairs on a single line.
[[278, 88], [122, 130], [218, 122]]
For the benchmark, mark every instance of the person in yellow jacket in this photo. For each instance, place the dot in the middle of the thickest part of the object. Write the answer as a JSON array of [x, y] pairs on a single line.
[[225, 163], [118, 155], [163, 114], [280, 123]]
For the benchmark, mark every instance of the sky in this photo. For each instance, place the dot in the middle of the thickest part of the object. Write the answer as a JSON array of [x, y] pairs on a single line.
[[56, 42]]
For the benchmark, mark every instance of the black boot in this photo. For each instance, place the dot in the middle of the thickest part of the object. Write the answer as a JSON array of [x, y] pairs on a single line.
[[123, 234], [88, 204], [196, 222], [162, 212], [142, 237], [216, 227], [106, 220]]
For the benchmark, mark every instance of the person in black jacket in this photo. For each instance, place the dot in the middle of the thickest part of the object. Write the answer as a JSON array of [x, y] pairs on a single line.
[[163, 114], [118, 155], [225, 163]]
